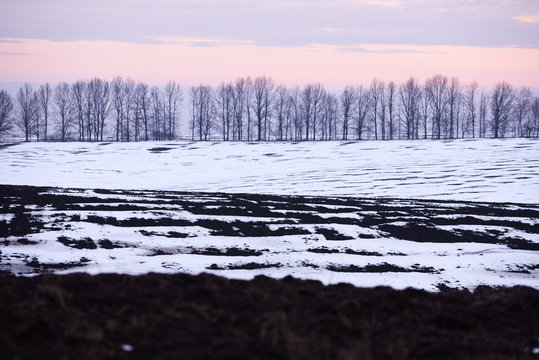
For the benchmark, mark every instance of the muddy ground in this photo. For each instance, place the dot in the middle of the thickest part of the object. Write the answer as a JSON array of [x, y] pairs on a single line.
[[49, 230], [180, 316], [79, 316]]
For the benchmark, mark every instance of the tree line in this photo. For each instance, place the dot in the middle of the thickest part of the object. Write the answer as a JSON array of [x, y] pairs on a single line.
[[255, 109]]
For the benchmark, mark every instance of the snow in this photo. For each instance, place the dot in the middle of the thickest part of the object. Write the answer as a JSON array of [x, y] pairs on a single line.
[[6, 217], [308, 254], [127, 347], [503, 170]]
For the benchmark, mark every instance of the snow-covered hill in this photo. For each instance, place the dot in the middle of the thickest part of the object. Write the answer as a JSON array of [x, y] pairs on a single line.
[[466, 170]]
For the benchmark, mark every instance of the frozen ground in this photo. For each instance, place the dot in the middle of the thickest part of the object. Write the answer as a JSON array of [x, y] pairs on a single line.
[[465, 170], [366, 242]]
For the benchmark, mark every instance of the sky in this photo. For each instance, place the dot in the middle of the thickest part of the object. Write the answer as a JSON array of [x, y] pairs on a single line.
[[296, 42]]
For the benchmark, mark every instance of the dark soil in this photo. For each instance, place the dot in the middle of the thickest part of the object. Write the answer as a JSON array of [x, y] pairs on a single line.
[[207, 317], [428, 233], [331, 234], [170, 234], [228, 252], [41, 268], [379, 268], [248, 266], [325, 250], [286, 214], [159, 149], [85, 243]]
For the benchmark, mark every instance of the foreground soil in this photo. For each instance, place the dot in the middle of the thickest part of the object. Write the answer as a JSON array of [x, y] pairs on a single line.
[[153, 316]]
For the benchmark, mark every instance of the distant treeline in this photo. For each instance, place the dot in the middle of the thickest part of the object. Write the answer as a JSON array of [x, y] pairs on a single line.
[[257, 110]]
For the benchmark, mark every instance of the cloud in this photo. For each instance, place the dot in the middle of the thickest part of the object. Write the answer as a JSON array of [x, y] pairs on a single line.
[[199, 42], [382, 51], [10, 41], [273, 22], [331, 29], [8, 53], [390, 3], [527, 19]]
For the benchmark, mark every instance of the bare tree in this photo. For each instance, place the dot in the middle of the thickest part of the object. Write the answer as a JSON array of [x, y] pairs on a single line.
[[362, 109], [88, 112], [424, 112], [318, 94], [348, 101], [173, 101], [118, 102], [436, 90], [311, 104], [26, 110], [248, 99], [280, 109], [202, 111], [99, 104], [453, 96], [128, 90], [296, 113], [382, 111], [289, 117], [193, 110], [391, 89], [458, 114], [262, 88], [123, 96], [523, 102], [224, 108], [239, 101], [483, 109], [157, 113], [306, 109], [377, 90], [329, 115], [410, 96], [6, 108], [78, 90], [44, 97], [63, 107], [268, 98], [501, 105], [142, 111], [470, 115], [442, 108], [533, 128]]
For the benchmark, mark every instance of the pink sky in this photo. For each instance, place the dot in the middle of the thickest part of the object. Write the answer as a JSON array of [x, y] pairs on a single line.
[[334, 66], [335, 42]]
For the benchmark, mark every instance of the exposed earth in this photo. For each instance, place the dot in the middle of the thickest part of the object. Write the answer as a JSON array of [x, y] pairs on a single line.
[[153, 316], [45, 232], [400, 243]]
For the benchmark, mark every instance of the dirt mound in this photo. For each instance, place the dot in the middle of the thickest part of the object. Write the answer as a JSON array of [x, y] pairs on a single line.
[[209, 317]]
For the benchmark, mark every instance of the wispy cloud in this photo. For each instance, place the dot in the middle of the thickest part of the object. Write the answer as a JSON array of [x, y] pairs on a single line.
[[390, 3], [9, 53], [361, 49], [10, 41], [331, 29], [527, 19], [200, 42]]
